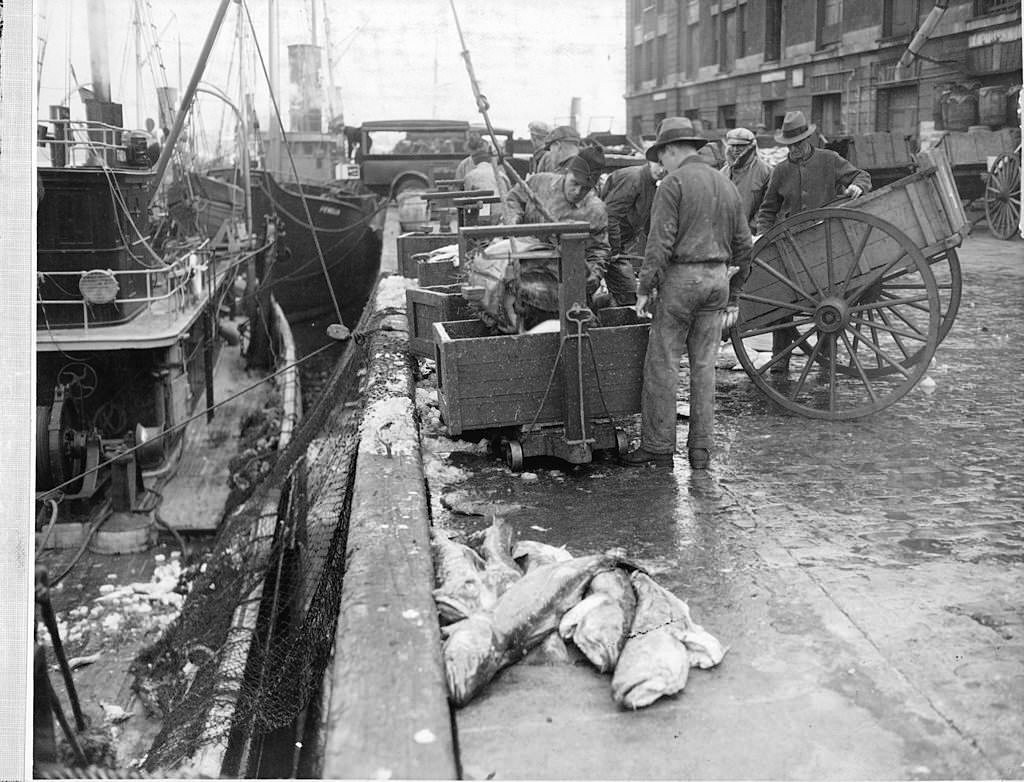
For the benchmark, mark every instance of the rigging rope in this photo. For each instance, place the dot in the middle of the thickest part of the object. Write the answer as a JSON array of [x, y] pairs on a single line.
[[295, 173]]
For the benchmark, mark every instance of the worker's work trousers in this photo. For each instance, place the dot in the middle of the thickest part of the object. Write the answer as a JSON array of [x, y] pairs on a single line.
[[620, 279], [688, 314]]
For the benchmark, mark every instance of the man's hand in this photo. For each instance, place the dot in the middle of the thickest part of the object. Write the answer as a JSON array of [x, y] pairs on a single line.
[[642, 301], [853, 191], [732, 314]]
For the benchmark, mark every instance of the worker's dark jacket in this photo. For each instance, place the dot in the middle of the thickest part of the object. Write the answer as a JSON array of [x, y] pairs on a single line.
[[751, 179], [697, 217], [628, 195], [809, 184]]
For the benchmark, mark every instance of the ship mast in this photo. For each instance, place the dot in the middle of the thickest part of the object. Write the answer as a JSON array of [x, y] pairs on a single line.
[[274, 145], [331, 113]]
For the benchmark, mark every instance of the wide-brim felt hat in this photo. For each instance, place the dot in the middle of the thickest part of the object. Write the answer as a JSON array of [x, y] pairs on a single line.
[[794, 128], [673, 130], [562, 133]]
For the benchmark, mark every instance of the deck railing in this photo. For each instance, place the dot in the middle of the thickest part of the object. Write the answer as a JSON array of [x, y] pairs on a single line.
[[165, 291]]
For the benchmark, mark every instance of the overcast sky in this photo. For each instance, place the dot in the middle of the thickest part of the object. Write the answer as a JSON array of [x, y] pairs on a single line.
[[394, 59]]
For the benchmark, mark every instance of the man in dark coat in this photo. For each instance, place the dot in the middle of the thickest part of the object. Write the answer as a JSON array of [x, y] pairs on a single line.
[[697, 229], [808, 178], [628, 194], [746, 170]]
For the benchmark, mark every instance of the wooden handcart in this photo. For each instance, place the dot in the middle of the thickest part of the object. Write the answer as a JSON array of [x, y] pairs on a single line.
[[543, 394], [871, 288]]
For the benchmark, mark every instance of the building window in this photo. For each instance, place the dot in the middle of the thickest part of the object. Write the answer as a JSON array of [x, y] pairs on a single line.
[[984, 7], [727, 116], [741, 31], [660, 6], [638, 127], [773, 30], [827, 113], [660, 75], [638, 11], [727, 40], [830, 27], [899, 17], [658, 119], [772, 114], [648, 60], [638, 66], [716, 34], [896, 111], [692, 51]]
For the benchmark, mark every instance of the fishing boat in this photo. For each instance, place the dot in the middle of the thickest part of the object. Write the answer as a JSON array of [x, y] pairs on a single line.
[[332, 225]]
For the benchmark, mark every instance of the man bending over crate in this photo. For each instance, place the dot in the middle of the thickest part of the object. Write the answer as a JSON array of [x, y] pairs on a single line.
[[697, 229], [568, 196]]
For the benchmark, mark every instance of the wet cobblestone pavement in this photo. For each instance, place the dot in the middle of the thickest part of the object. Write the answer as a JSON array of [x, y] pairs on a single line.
[[868, 576]]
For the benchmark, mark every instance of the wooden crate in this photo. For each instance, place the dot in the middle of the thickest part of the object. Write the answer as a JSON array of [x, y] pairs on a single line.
[[427, 306], [488, 382], [434, 273], [410, 244]]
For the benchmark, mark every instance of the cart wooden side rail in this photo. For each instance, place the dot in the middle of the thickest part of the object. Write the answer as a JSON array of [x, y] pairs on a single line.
[[855, 297]]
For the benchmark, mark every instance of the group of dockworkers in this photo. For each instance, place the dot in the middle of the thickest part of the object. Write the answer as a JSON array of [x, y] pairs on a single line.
[[690, 221]]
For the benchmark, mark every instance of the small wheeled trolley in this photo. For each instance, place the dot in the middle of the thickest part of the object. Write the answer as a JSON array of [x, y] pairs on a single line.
[[545, 393]]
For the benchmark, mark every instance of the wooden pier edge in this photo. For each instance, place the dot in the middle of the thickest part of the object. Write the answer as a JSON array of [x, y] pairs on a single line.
[[388, 714]]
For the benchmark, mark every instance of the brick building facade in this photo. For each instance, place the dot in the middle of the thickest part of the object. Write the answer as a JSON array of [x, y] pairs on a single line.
[[735, 63]]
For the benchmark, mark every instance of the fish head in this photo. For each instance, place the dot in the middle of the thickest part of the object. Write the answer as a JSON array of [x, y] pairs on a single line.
[[471, 658]]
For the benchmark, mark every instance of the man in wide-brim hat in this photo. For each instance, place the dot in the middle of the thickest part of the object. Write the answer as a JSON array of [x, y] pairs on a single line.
[[808, 178], [697, 229], [562, 144]]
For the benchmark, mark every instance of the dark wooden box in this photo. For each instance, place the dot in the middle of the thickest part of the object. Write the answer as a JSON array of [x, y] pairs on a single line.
[[411, 244], [434, 273], [426, 306], [486, 382]]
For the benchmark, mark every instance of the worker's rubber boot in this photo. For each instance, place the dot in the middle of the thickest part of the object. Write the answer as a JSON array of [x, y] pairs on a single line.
[[700, 458], [641, 457]]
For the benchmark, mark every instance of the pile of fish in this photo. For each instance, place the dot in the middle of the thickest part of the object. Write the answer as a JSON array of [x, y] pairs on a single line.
[[508, 601]]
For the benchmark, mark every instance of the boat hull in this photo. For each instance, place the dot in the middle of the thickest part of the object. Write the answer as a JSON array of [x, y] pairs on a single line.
[[349, 230]]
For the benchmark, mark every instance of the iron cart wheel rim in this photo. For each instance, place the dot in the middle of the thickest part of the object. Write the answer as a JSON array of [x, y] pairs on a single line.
[[867, 330], [512, 452], [1002, 196]]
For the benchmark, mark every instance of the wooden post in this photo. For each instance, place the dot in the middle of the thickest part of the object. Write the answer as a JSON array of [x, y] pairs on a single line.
[[572, 294]]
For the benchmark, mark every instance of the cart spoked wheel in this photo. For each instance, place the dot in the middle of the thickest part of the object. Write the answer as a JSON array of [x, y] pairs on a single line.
[[856, 305], [512, 452], [1002, 197]]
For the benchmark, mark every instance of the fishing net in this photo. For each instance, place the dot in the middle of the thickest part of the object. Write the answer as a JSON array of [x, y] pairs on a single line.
[[248, 653]]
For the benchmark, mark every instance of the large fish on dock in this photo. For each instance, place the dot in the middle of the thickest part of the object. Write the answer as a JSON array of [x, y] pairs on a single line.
[[600, 623], [530, 554], [500, 570], [477, 648], [461, 589], [663, 643]]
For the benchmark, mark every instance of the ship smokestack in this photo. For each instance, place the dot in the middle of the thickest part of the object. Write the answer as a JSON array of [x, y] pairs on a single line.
[[305, 98]]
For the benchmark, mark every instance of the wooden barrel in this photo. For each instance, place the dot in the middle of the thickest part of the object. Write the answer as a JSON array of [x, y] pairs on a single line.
[[412, 211], [960, 109], [992, 106]]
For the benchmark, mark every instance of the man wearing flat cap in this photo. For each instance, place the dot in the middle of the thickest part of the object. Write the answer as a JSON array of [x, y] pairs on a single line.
[[562, 144], [538, 136], [697, 229], [808, 178], [746, 170], [568, 196]]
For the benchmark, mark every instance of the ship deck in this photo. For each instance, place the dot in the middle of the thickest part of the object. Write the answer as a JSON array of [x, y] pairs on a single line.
[[115, 631]]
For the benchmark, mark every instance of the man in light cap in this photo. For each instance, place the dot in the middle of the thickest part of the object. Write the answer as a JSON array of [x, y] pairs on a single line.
[[568, 196], [697, 229], [808, 178], [746, 170], [538, 134], [562, 143]]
